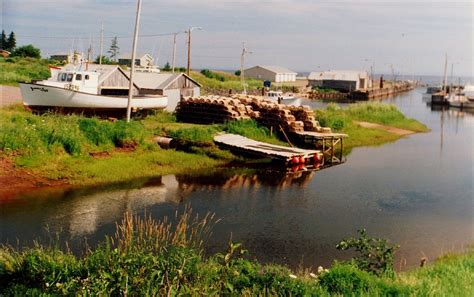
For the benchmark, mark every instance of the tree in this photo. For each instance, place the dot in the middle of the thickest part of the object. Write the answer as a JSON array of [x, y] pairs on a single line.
[[27, 51], [11, 42], [237, 73], [167, 67], [105, 60], [3, 41], [114, 49]]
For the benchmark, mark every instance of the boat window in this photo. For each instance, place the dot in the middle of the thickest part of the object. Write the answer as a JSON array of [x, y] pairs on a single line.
[[69, 76], [86, 77], [63, 76], [78, 76]]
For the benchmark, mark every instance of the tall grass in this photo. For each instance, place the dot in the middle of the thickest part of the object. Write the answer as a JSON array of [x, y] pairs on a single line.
[[26, 133], [14, 70], [149, 258], [225, 81], [252, 130]]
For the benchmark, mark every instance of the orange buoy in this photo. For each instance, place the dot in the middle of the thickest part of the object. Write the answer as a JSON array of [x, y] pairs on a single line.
[[316, 158]]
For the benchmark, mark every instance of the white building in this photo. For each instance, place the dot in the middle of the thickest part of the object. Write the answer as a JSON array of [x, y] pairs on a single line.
[[73, 58], [271, 73], [145, 60], [172, 85], [342, 80]]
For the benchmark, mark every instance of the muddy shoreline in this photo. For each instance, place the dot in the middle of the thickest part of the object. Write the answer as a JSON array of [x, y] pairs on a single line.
[[15, 181]]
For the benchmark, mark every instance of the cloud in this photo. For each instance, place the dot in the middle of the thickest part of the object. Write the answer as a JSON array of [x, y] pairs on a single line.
[[300, 34]]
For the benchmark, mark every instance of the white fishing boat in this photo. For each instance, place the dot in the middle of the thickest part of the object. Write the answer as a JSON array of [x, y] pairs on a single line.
[[463, 99], [278, 96], [99, 89]]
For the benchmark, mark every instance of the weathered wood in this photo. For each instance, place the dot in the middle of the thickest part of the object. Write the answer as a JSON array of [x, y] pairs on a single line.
[[277, 152]]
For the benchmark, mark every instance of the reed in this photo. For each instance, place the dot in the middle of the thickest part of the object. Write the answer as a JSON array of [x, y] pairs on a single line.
[[135, 233]]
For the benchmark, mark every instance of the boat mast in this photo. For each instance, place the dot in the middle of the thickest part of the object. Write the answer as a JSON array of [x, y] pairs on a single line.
[[134, 53], [445, 76], [101, 42]]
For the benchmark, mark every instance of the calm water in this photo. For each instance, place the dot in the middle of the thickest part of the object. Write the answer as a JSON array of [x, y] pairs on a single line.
[[417, 192]]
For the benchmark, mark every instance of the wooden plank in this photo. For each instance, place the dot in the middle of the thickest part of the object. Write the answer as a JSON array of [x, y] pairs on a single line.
[[263, 149]]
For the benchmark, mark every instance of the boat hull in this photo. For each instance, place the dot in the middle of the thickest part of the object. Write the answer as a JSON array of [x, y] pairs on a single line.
[[42, 97], [462, 104]]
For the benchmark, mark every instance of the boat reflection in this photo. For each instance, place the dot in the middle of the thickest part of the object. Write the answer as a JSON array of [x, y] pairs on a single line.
[[81, 212]]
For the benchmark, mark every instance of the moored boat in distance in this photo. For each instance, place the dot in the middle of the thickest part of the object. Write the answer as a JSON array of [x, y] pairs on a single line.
[[100, 90], [278, 95], [463, 99], [429, 92]]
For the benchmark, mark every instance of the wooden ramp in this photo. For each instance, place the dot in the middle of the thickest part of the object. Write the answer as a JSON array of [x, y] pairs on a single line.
[[266, 150]]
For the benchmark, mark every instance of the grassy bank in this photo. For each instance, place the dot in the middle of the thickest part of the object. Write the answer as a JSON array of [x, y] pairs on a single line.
[[14, 70], [224, 81], [158, 258], [82, 150], [343, 120]]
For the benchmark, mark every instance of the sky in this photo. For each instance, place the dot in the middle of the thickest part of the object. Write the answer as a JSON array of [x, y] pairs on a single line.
[[406, 37]]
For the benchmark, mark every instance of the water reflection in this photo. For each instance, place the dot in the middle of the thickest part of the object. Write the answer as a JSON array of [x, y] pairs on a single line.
[[406, 191], [80, 212]]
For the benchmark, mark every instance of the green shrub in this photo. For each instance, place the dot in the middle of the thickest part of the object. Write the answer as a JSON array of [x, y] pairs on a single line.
[[96, 132], [345, 279], [198, 135], [375, 254], [209, 74]]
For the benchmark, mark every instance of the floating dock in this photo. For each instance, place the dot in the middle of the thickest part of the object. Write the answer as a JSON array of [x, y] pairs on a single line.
[[289, 155], [326, 141]]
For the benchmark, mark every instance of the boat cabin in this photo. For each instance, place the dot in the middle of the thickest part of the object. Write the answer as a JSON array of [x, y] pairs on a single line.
[[98, 80], [275, 94], [81, 81]]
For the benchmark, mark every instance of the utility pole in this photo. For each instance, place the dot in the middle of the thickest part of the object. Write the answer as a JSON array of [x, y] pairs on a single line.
[[101, 42], [189, 48], [134, 54], [242, 61], [188, 69], [174, 51]]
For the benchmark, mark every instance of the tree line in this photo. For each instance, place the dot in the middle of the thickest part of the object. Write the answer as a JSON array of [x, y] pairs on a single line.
[[9, 44]]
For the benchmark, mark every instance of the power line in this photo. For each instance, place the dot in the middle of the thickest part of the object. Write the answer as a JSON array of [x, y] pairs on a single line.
[[111, 36]]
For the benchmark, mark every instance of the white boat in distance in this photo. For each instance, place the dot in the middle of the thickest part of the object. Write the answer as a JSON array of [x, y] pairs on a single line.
[[278, 95], [463, 99], [102, 89]]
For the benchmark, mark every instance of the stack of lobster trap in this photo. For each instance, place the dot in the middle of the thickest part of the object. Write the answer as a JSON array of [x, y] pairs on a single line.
[[218, 109]]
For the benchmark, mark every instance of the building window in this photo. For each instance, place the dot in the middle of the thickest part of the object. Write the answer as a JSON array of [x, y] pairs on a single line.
[[86, 77], [78, 76]]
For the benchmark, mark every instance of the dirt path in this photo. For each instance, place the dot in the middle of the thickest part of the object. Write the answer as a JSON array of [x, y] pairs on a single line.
[[9, 95], [14, 181], [393, 130]]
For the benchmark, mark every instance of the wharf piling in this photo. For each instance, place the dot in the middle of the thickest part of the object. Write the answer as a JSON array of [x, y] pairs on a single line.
[[382, 92], [327, 142]]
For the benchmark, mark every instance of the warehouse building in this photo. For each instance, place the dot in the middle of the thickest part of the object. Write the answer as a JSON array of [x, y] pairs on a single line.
[[271, 73], [341, 80]]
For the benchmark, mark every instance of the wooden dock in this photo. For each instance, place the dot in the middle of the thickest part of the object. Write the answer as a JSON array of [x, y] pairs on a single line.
[[289, 155], [326, 141]]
